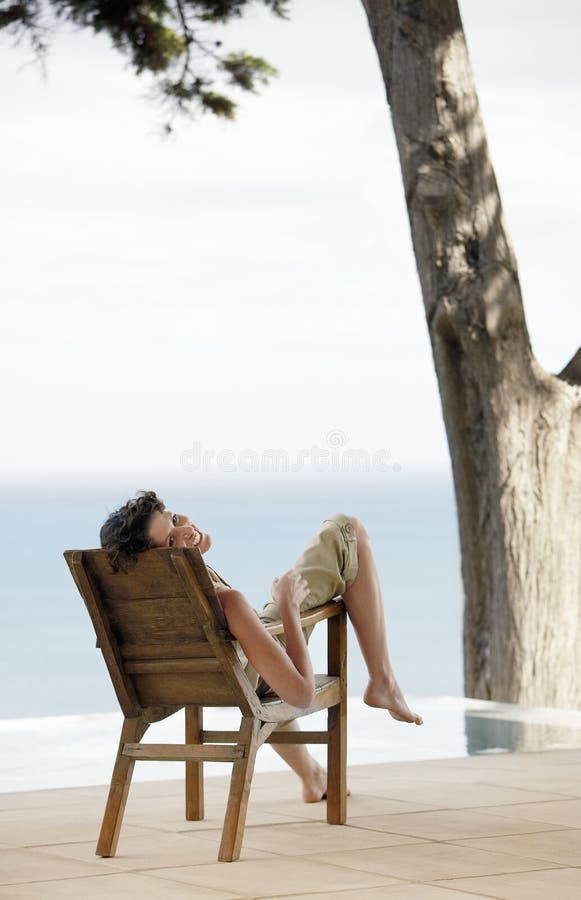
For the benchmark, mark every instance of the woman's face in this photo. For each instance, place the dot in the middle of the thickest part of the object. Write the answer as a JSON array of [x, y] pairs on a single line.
[[167, 529]]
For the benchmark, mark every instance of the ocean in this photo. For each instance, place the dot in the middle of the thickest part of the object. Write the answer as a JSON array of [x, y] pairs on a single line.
[[49, 665]]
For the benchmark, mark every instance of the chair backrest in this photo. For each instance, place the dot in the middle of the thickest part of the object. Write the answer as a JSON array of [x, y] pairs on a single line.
[[162, 631]]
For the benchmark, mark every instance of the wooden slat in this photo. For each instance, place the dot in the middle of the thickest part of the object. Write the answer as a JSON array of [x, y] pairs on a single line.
[[172, 666], [180, 689], [194, 782], [153, 578], [91, 595], [184, 650], [337, 723], [153, 621], [298, 737], [132, 730], [183, 752], [279, 737], [327, 611], [220, 737], [240, 782]]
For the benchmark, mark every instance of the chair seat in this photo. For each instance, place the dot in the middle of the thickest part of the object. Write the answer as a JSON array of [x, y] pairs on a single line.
[[327, 693]]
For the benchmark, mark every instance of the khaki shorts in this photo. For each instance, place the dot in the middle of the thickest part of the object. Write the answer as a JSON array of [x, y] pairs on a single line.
[[328, 565]]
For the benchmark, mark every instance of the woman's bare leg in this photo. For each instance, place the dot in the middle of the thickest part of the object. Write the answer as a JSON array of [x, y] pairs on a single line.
[[312, 775], [365, 610]]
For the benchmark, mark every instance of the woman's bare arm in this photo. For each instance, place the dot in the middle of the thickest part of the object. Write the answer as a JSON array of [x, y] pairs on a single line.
[[290, 673]]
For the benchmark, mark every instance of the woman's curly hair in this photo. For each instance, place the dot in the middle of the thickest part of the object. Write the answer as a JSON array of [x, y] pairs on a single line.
[[124, 534]]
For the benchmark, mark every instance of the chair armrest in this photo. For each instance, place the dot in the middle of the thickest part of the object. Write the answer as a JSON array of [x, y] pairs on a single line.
[[312, 616]]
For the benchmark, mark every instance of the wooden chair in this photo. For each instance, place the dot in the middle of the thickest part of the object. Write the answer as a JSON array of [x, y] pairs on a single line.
[[166, 644]]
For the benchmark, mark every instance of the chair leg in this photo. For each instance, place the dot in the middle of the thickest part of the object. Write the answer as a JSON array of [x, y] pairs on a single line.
[[194, 770], [337, 724], [132, 731], [242, 772]]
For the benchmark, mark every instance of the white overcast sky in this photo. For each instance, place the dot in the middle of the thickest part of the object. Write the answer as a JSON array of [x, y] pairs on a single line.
[[252, 285]]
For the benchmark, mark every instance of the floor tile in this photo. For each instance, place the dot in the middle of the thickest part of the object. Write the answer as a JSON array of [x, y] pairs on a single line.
[[148, 851], [160, 809], [264, 878], [457, 795], [47, 799], [17, 866], [445, 775], [391, 892], [172, 817], [430, 861], [449, 824], [561, 884], [315, 837], [562, 847], [506, 826], [170, 788], [56, 824], [357, 805], [557, 812], [553, 782], [113, 886], [177, 825]]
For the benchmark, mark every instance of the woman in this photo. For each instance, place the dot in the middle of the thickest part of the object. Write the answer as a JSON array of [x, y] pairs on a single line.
[[337, 562]]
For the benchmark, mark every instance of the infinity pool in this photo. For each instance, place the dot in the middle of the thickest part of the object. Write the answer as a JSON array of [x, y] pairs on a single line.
[[68, 751]]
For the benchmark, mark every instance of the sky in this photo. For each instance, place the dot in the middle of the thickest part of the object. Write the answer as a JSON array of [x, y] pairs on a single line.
[[251, 286]]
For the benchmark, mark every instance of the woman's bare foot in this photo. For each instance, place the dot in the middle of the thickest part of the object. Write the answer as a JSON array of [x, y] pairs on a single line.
[[315, 785], [387, 695]]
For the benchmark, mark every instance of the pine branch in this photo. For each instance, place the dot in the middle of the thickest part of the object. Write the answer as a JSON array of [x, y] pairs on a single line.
[[161, 38]]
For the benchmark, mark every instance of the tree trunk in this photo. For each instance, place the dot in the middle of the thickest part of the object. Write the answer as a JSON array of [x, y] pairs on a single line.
[[514, 430]]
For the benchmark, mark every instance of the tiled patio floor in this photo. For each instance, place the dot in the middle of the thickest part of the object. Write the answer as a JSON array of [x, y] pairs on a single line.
[[503, 826]]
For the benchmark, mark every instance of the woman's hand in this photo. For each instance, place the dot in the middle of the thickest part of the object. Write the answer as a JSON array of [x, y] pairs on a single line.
[[290, 590]]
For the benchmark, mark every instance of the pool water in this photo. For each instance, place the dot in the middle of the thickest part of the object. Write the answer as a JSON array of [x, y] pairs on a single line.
[[70, 751]]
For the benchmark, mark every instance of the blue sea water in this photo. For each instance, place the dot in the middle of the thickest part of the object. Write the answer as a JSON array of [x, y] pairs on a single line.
[[49, 665]]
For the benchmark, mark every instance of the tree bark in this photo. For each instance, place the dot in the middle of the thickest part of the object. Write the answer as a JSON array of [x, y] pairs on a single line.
[[514, 430]]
